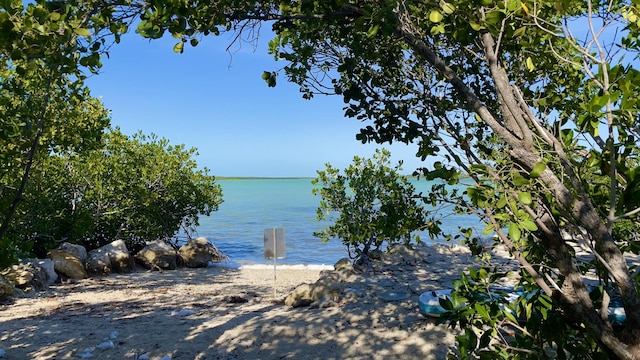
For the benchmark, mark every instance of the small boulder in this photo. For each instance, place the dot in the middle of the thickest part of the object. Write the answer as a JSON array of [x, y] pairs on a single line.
[[77, 250], [199, 252], [98, 263], [109, 258], [158, 255], [343, 264], [320, 294], [343, 271], [47, 266], [17, 275], [6, 287], [121, 259], [27, 276], [300, 296], [68, 264]]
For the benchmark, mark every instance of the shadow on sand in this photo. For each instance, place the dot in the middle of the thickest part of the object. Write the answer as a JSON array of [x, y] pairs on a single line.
[[227, 315]]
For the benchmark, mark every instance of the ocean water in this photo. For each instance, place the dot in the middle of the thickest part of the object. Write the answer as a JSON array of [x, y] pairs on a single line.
[[253, 205]]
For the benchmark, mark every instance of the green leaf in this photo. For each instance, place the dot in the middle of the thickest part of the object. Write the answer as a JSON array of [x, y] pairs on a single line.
[[519, 180], [448, 8], [528, 308], [179, 47], [488, 229], [510, 316], [529, 63], [438, 29], [446, 304], [524, 197], [82, 32], [519, 31], [513, 5], [514, 232], [494, 17], [475, 26], [538, 168], [435, 16], [270, 78], [502, 202], [482, 311], [529, 225], [373, 30]]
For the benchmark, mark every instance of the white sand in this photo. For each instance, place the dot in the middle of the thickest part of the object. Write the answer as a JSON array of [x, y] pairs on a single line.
[[223, 313]]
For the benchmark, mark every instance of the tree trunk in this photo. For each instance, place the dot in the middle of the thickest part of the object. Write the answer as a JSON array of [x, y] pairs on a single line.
[[512, 128]]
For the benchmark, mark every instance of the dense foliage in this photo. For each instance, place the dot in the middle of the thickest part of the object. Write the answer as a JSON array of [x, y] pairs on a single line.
[[53, 166], [40, 115], [371, 205], [45, 108], [136, 189]]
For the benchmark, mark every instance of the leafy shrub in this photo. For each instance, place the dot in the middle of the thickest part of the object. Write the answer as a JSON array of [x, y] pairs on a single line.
[[519, 323], [370, 205], [135, 189]]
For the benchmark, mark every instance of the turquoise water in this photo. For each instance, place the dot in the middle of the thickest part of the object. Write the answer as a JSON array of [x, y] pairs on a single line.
[[252, 205]]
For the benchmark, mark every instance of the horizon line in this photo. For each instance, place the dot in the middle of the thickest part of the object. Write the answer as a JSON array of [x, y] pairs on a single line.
[[260, 177]]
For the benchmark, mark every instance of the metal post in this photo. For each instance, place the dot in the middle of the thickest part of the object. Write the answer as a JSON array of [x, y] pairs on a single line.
[[276, 249], [275, 256]]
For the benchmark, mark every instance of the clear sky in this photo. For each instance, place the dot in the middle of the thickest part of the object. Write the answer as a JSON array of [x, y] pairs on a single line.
[[218, 103]]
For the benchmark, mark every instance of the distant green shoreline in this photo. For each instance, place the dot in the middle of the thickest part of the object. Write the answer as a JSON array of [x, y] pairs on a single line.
[[277, 177], [260, 178]]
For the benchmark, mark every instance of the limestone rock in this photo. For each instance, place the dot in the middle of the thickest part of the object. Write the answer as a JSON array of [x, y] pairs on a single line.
[[98, 263], [77, 250], [6, 288], [320, 294], [344, 271], [343, 264], [375, 254], [47, 266], [27, 276], [332, 287], [113, 257], [199, 252], [300, 296], [18, 275], [121, 259], [68, 264], [158, 255]]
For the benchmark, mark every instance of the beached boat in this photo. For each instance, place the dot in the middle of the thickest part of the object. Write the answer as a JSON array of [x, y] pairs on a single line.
[[429, 303]]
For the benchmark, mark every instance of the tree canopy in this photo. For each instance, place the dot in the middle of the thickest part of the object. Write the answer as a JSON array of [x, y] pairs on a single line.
[[532, 104], [45, 52]]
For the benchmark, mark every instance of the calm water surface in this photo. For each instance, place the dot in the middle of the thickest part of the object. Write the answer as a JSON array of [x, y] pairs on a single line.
[[252, 205]]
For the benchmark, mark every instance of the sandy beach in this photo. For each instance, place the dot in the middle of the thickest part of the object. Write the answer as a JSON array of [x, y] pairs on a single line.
[[224, 313]]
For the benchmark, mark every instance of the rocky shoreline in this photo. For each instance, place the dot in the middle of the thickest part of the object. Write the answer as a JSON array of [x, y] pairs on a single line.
[[72, 261]]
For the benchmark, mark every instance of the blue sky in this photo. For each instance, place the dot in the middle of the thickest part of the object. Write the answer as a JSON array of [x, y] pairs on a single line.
[[218, 103]]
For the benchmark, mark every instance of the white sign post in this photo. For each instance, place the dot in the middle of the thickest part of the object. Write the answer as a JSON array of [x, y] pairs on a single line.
[[274, 248]]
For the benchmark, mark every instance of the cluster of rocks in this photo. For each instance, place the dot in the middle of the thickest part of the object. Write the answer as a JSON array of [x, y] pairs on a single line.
[[71, 261]]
